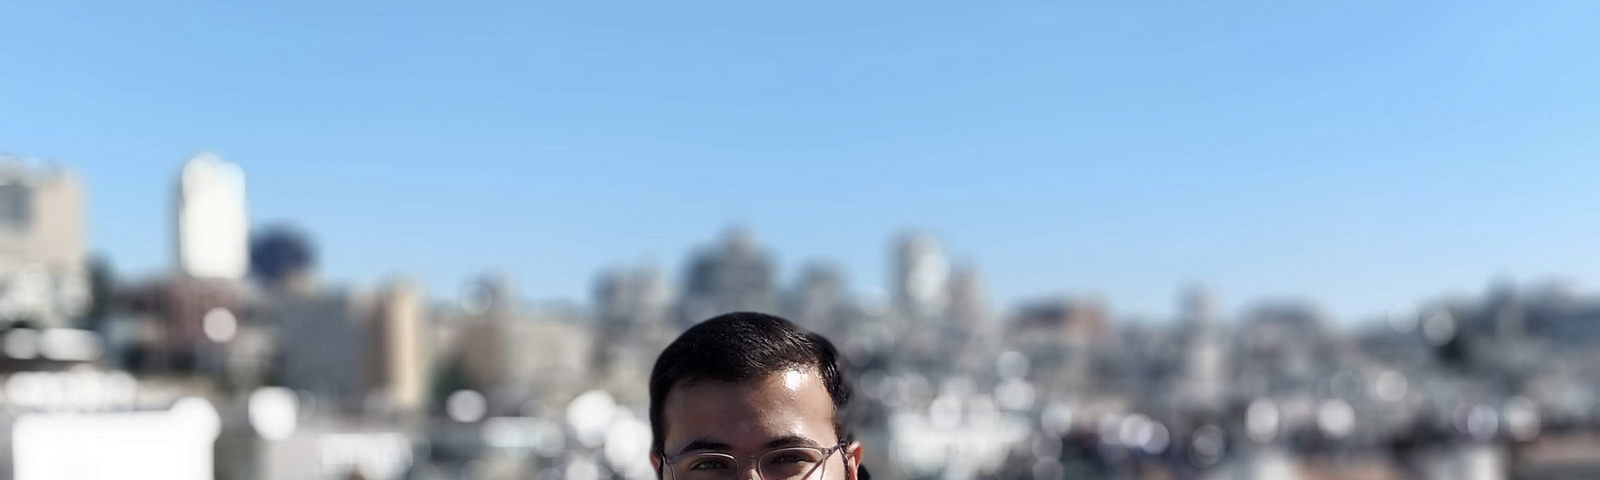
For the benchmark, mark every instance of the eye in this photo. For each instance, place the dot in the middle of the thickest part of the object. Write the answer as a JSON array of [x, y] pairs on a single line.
[[708, 464], [788, 457]]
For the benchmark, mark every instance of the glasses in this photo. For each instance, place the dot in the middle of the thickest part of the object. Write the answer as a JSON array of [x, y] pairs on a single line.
[[793, 463]]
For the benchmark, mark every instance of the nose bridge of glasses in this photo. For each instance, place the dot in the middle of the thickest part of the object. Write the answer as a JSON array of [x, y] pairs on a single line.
[[750, 468]]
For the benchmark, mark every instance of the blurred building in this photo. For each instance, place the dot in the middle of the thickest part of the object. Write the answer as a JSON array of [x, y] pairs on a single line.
[[819, 300], [168, 317], [1282, 346], [1061, 319], [325, 340], [969, 302], [354, 352], [921, 273], [43, 280], [734, 275], [212, 219], [283, 258], [512, 356], [633, 308], [1205, 362], [403, 369], [1060, 338], [173, 442]]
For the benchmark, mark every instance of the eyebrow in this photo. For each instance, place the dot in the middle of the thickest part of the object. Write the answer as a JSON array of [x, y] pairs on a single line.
[[792, 441], [780, 442], [706, 445]]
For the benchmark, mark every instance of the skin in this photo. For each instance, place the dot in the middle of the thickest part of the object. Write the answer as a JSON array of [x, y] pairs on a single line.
[[746, 419]]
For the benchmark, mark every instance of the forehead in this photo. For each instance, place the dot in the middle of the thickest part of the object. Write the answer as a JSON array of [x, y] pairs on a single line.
[[746, 415]]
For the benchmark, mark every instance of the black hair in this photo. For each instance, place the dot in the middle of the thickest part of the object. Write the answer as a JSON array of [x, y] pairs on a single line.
[[745, 346]]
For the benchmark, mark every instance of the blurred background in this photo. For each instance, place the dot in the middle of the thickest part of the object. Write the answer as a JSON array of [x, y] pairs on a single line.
[[1056, 240]]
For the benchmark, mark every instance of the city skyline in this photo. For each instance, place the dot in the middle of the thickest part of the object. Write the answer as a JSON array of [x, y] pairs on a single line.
[[1355, 157], [333, 380], [792, 270]]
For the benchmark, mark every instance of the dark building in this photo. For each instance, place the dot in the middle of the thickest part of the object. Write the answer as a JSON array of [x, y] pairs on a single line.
[[734, 275], [819, 300], [280, 255]]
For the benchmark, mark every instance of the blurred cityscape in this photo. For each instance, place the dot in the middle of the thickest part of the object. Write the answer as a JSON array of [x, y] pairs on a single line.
[[239, 364]]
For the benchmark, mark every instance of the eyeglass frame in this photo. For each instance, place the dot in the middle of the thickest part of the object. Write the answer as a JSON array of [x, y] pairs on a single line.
[[738, 466]]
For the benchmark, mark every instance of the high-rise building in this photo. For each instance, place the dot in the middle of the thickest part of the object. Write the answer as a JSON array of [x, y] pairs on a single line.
[[1205, 357], [42, 274], [613, 299], [213, 222], [819, 299], [403, 351], [632, 297], [1197, 306], [732, 276], [969, 303], [652, 295], [921, 276], [632, 308]]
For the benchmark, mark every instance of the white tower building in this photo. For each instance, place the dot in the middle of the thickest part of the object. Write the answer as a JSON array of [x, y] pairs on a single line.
[[213, 222]]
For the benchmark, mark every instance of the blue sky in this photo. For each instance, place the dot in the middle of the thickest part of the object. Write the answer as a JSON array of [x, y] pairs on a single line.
[[1353, 153]]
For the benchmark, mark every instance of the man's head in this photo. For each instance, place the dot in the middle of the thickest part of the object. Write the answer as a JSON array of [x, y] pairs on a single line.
[[745, 384]]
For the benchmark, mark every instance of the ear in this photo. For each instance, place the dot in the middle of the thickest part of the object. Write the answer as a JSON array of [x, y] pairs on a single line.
[[655, 461], [852, 460]]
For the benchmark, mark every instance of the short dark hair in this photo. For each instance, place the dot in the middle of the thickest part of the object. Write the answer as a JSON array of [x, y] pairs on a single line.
[[745, 346]]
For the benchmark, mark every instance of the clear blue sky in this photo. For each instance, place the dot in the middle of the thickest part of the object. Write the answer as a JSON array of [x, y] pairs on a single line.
[[1356, 153]]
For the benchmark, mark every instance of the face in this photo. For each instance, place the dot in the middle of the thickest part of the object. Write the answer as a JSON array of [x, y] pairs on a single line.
[[749, 419]]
